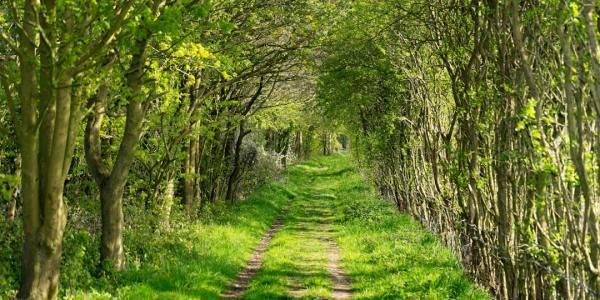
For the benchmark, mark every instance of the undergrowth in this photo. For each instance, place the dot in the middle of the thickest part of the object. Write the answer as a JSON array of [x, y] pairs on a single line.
[[192, 260]]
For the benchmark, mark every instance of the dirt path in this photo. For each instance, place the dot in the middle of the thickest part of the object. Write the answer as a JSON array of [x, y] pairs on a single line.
[[303, 259], [341, 282], [341, 289], [237, 289]]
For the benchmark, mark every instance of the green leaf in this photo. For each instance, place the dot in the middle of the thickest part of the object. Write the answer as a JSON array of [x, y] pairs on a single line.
[[226, 27]]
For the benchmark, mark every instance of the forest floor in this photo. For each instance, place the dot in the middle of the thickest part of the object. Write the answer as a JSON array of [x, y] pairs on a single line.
[[321, 233]]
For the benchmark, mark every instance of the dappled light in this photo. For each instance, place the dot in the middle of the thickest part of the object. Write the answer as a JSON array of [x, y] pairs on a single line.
[[299, 149]]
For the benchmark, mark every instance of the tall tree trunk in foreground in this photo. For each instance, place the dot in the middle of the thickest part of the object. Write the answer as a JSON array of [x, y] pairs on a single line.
[[47, 123], [47, 157], [111, 182], [52, 49]]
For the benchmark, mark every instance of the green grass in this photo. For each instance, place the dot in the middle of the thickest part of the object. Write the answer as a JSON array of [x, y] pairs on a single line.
[[387, 255], [295, 263], [198, 261]]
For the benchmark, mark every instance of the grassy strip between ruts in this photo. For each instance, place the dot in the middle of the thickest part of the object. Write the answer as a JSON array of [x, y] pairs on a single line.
[[200, 260], [295, 264]]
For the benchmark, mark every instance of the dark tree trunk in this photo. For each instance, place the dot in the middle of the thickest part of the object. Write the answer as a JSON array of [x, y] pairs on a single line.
[[235, 172], [190, 182]]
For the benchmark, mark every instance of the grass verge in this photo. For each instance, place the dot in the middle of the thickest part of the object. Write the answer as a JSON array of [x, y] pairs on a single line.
[[389, 255], [199, 260]]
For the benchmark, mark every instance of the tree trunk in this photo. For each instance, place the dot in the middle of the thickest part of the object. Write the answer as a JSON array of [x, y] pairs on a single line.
[[298, 145], [44, 211], [235, 173], [324, 141], [112, 189], [189, 184], [46, 153], [111, 243], [167, 204], [111, 182], [11, 210]]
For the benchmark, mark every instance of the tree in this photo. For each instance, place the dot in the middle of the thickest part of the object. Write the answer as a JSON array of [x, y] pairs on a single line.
[[46, 105], [479, 119]]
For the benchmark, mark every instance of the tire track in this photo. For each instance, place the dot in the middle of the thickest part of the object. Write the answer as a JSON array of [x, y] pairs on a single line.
[[341, 282], [240, 285]]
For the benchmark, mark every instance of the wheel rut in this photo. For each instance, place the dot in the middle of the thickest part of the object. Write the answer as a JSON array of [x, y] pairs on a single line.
[[240, 285], [341, 282], [341, 288]]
